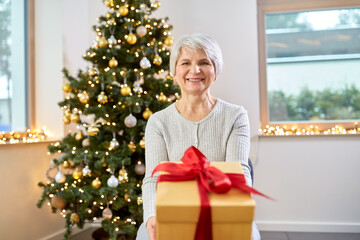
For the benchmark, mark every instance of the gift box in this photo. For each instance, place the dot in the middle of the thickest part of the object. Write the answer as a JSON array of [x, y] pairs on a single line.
[[178, 209]]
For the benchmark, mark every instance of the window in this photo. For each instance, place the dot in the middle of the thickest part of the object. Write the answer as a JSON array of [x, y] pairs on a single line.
[[309, 63], [16, 65]]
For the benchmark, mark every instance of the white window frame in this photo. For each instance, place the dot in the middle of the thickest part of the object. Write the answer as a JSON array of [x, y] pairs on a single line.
[[277, 6]]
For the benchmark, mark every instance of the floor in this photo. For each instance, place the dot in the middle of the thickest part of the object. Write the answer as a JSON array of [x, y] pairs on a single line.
[[86, 235]]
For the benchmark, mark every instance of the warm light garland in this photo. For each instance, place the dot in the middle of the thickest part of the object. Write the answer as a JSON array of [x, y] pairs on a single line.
[[28, 136], [308, 131]]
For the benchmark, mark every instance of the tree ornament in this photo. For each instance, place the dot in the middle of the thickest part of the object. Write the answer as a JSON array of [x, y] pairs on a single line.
[[102, 98], [96, 183], [125, 90], [107, 214], [75, 117], [112, 40], [67, 113], [66, 164], [59, 177], [74, 218], [157, 4], [145, 63], [103, 42], [147, 113], [66, 88], [83, 97], [113, 62], [169, 40], [86, 171], [157, 60], [107, 3], [141, 31], [123, 175], [58, 202], [139, 200], [131, 39], [123, 10], [92, 130], [138, 89], [132, 146], [113, 144], [113, 181], [142, 142], [79, 136], [92, 72], [127, 197], [140, 169], [77, 174], [130, 121], [66, 120], [108, 15], [86, 142], [162, 97]]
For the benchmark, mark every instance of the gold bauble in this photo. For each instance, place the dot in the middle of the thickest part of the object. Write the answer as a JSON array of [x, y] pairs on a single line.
[[142, 143], [103, 42], [132, 146], [79, 136], [74, 218], [113, 62], [77, 174], [108, 15], [66, 120], [102, 98], [125, 90], [123, 10], [66, 164], [67, 113], [83, 97], [96, 183], [107, 3], [66, 88], [131, 39], [92, 130], [162, 98], [126, 197], [58, 202], [157, 4], [169, 41], [92, 72], [157, 60], [75, 117], [147, 113]]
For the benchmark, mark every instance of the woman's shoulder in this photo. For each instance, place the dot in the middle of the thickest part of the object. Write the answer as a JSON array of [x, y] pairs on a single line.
[[162, 115], [230, 108]]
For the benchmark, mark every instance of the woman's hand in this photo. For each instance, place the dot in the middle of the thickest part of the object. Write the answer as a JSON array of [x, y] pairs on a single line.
[[151, 228]]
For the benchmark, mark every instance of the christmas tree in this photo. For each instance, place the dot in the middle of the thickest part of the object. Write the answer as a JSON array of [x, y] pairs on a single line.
[[99, 168]]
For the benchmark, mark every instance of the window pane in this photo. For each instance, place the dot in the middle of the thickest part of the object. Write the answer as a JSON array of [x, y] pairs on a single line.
[[313, 65], [12, 65]]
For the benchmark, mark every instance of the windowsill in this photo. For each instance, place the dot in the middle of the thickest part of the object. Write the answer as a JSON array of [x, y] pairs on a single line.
[[46, 141], [311, 135]]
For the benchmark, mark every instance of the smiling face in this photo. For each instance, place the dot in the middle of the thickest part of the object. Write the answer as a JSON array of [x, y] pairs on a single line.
[[194, 72]]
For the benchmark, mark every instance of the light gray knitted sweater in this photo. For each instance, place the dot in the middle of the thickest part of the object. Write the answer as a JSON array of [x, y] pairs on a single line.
[[223, 135]]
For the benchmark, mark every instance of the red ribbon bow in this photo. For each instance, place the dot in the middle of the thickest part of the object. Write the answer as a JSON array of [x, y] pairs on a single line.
[[209, 179]]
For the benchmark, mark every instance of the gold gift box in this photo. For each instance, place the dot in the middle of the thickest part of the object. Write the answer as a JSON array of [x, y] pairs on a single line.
[[178, 209]]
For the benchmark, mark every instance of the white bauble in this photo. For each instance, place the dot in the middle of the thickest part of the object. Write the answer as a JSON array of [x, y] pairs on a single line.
[[59, 177], [130, 121], [141, 31], [86, 142], [140, 169], [112, 40], [113, 182], [107, 214], [145, 63]]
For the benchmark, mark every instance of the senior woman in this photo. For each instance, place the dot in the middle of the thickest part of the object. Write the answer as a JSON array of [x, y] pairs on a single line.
[[220, 130]]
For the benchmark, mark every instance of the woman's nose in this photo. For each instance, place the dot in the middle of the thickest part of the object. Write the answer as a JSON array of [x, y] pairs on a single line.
[[195, 68]]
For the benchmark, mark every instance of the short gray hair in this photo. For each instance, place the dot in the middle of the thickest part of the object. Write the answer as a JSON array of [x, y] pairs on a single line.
[[198, 41]]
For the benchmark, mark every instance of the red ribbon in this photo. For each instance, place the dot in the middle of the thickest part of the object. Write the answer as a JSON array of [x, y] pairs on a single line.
[[209, 179]]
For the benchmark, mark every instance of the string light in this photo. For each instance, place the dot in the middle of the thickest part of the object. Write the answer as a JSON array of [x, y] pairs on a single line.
[[28, 136], [308, 131]]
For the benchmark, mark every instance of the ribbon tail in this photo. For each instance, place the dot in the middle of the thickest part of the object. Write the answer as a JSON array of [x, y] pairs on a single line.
[[204, 225]]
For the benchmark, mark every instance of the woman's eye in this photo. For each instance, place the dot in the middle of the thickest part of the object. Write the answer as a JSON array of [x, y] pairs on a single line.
[[185, 63], [204, 63]]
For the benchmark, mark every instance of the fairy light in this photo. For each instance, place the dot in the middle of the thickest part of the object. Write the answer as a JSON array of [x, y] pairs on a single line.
[[28, 136]]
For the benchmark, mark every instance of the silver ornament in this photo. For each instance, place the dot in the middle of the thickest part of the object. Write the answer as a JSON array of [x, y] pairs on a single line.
[[113, 182], [113, 144], [86, 142], [141, 31], [145, 63], [130, 121], [86, 170], [138, 89], [59, 177], [140, 169], [107, 214], [112, 40]]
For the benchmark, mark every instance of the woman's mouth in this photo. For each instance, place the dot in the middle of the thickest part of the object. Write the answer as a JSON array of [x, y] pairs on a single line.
[[195, 79]]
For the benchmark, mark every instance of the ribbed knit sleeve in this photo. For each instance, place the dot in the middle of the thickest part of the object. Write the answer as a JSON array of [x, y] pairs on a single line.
[[155, 152]]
